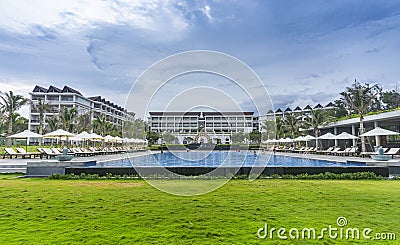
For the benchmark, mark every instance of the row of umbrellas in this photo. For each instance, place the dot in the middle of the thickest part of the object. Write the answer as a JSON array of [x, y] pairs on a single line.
[[79, 137], [329, 136]]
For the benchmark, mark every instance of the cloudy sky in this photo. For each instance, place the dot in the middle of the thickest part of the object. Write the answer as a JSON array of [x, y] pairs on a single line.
[[305, 52]]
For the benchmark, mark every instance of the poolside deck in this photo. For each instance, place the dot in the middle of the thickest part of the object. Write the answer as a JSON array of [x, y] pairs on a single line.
[[19, 165]]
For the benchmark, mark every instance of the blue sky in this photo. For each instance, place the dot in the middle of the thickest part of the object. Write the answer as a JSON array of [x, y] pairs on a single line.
[[306, 52]]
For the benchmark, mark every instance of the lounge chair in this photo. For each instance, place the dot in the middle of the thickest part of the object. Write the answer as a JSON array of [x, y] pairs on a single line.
[[338, 153], [367, 154], [334, 151], [392, 152], [49, 153], [326, 151], [30, 154], [10, 152]]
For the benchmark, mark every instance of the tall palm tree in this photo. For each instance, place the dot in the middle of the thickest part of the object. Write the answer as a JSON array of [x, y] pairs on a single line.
[[317, 118], [280, 127], [84, 122], [100, 124], [358, 98], [52, 124], [67, 118], [11, 103], [292, 122], [41, 107], [270, 128]]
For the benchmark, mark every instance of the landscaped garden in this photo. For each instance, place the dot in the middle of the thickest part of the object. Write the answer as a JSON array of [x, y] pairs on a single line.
[[42, 211]]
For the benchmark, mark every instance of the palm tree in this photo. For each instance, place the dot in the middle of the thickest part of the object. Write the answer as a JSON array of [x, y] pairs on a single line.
[[270, 128], [19, 123], [100, 124], [52, 124], [358, 98], [292, 122], [67, 118], [11, 103], [41, 107], [317, 118], [280, 127], [84, 122]]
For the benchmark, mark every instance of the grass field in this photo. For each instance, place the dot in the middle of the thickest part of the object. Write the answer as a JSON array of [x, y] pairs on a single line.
[[40, 211]]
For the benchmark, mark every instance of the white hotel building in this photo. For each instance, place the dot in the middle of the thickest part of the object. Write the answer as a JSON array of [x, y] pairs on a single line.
[[206, 127], [70, 98]]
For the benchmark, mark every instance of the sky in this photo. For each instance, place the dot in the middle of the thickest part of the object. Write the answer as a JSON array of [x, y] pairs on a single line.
[[305, 52]]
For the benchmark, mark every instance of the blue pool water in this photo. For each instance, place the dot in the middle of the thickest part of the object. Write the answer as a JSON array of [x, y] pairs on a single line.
[[218, 159]]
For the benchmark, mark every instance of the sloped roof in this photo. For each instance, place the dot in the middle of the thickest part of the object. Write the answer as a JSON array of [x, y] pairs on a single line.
[[67, 89], [330, 105], [288, 109], [279, 110], [297, 108], [318, 106], [308, 107], [39, 89], [53, 89]]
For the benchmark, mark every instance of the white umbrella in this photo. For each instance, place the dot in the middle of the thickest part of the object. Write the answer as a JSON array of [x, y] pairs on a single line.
[[345, 136], [84, 135], [309, 137], [300, 138], [118, 138], [96, 136], [327, 136], [286, 140], [25, 135], [59, 133], [109, 138], [379, 131]]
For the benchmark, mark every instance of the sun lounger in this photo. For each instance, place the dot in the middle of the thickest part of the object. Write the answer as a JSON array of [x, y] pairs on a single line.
[[326, 151], [367, 154], [49, 153], [10, 152], [342, 153], [392, 152], [334, 151], [30, 154]]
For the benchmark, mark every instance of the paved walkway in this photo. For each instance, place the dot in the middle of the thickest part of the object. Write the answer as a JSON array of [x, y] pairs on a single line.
[[18, 165]]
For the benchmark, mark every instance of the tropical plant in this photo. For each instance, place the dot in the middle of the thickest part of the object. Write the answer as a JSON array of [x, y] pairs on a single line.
[[11, 103], [52, 124], [270, 128], [135, 129], [100, 125], [67, 118], [316, 119], [292, 121], [41, 107], [391, 99], [169, 138], [280, 127], [152, 137], [238, 137], [358, 98], [84, 122], [255, 137], [19, 123]]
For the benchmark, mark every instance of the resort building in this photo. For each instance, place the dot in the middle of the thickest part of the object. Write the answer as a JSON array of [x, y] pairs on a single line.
[[70, 98], [387, 120], [203, 127], [304, 111]]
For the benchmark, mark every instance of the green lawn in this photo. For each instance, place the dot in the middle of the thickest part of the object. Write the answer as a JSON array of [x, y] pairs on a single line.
[[34, 211]]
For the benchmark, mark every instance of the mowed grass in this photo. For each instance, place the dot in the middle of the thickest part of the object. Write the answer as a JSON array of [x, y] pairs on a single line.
[[40, 211]]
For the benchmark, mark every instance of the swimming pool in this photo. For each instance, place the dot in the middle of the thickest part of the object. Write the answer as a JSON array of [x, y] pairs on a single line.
[[219, 159]]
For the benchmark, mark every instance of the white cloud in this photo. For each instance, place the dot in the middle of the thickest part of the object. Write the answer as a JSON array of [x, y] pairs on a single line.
[[207, 12], [63, 15]]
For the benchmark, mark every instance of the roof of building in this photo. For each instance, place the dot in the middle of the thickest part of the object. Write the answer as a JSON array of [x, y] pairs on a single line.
[[196, 113]]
